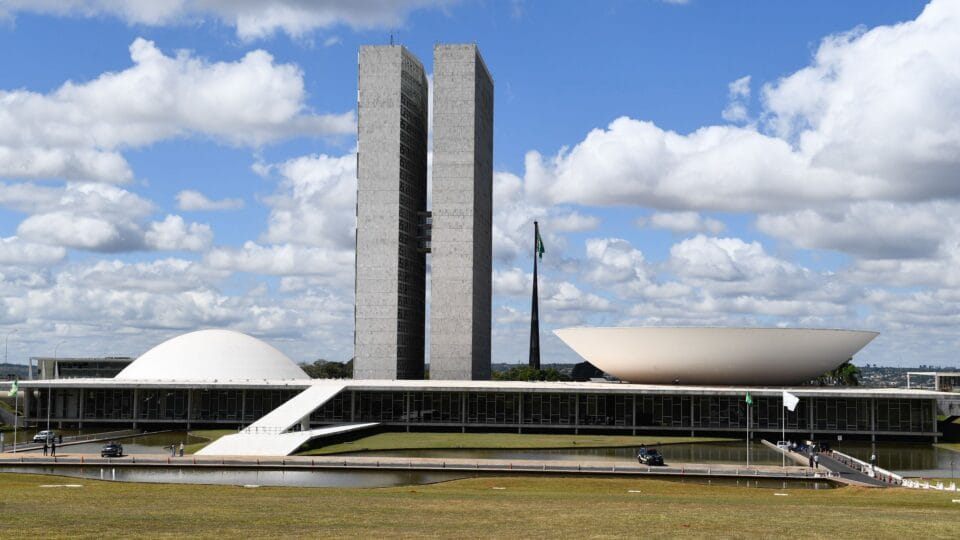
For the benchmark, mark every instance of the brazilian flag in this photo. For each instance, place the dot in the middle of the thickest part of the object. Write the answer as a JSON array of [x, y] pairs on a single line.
[[14, 388], [749, 399], [539, 247]]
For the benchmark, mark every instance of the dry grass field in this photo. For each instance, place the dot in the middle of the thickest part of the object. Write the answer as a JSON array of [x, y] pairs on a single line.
[[505, 507]]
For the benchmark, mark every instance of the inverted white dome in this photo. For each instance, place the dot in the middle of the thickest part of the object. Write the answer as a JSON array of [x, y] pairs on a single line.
[[212, 355], [728, 356]]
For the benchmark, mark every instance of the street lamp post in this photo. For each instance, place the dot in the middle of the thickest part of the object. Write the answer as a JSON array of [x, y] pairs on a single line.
[[16, 420], [5, 340]]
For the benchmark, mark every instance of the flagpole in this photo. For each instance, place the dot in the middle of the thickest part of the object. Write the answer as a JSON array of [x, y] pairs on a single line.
[[16, 418], [534, 360], [783, 425], [748, 435]]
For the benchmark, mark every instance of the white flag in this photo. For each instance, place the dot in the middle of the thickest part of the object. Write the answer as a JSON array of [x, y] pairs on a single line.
[[790, 401]]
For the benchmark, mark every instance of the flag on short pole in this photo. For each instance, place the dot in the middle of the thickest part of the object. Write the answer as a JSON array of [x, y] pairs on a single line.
[[14, 387], [790, 401], [749, 399]]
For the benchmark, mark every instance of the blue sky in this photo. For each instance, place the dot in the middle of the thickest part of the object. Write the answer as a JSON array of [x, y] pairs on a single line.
[[176, 166]]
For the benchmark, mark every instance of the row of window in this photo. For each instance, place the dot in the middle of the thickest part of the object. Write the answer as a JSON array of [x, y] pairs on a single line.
[[497, 408], [716, 412]]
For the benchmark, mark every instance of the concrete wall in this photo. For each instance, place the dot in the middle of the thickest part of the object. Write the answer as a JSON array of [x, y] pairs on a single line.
[[462, 214], [391, 190]]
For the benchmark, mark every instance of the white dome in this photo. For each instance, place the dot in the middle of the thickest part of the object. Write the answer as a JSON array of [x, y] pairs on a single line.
[[690, 355], [212, 355]]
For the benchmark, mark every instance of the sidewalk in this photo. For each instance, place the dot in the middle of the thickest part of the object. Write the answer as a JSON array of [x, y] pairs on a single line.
[[624, 468]]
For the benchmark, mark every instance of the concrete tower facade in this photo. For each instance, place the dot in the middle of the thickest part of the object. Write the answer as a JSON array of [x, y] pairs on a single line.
[[391, 196], [461, 246]]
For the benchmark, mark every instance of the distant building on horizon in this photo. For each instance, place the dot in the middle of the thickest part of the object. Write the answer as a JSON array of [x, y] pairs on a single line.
[[395, 230]]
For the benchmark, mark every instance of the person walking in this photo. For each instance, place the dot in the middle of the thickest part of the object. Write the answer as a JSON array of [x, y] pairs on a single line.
[[45, 447], [181, 448], [810, 457], [53, 447], [816, 461]]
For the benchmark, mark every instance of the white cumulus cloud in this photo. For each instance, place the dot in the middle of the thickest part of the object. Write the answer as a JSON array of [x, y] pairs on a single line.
[[252, 19], [75, 131], [682, 222], [14, 251], [191, 201], [874, 116]]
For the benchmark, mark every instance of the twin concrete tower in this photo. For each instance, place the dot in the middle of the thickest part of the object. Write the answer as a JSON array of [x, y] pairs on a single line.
[[396, 231]]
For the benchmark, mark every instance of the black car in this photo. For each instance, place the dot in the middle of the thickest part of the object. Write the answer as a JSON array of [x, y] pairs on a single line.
[[649, 456], [111, 449]]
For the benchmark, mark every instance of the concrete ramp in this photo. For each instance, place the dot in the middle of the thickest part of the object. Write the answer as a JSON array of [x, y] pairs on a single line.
[[296, 408], [267, 444], [271, 435]]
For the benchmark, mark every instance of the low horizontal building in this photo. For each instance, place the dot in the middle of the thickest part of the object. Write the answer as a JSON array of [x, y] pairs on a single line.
[[78, 368], [226, 379]]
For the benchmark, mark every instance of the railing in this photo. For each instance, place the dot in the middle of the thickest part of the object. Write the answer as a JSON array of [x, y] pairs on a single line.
[[868, 469], [918, 484], [104, 435], [262, 430], [496, 466]]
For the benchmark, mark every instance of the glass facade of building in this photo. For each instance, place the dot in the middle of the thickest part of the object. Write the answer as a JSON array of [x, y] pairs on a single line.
[[459, 409]]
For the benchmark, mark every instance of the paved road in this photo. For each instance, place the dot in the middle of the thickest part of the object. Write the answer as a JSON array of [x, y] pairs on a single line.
[[624, 468]]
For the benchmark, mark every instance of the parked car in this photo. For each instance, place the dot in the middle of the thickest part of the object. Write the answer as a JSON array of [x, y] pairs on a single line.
[[649, 456], [47, 435], [112, 449]]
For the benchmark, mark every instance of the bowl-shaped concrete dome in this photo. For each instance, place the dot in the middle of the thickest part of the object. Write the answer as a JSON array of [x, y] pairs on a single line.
[[212, 355], [726, 356]]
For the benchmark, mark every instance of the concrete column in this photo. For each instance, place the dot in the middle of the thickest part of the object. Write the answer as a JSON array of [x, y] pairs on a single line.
[[243, 406], [189, 407], [80, 422], [463, 412], [576, 414], [136, 407], [933, 420], [520, 418], [305, 423]]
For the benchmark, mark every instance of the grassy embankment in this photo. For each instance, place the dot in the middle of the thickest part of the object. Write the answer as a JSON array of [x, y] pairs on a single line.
[[419, 441], [209, 434], [487, 507]]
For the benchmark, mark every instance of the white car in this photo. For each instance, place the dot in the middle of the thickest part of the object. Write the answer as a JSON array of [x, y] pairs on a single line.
[[45, 435]]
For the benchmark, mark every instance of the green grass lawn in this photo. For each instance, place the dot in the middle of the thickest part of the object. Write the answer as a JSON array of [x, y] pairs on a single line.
[[949, 446], [410, 441], [209, 434], [482, 507]]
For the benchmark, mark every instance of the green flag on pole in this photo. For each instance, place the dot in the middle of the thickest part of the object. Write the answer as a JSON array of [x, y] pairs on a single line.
[[539, 247], [749, 399], [13, 389]]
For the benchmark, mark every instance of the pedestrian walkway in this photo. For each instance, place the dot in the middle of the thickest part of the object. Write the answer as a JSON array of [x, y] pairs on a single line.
[[271, 443], [836, 469], [848, 474], [283, 430]]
